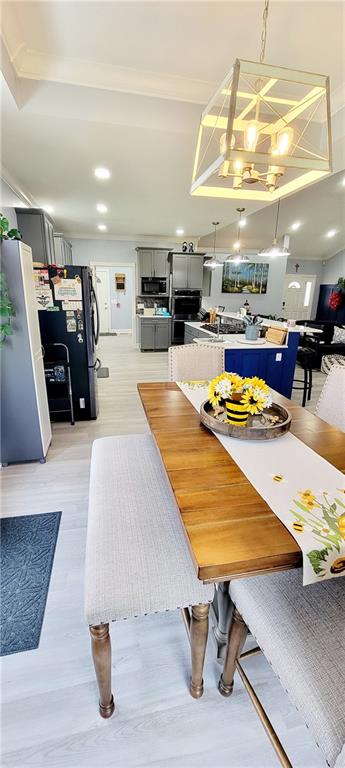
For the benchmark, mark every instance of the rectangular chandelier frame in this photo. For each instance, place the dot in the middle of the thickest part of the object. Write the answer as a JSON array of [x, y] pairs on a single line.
[[270, 174]]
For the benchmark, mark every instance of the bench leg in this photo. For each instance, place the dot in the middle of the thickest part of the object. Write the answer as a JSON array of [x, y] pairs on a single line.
[[237, 635], [198, 640], [101, 654]]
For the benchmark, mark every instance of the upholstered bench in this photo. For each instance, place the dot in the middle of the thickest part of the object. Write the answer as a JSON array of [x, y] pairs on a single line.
[[301, 631], [137, 559]]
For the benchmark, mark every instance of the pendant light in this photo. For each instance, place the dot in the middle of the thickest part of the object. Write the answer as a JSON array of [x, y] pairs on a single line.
[[265, 133], [213, 262], [275, 249], [237, 258]]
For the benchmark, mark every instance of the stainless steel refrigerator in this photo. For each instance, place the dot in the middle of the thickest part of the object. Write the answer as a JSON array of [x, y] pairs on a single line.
[[69, 316]]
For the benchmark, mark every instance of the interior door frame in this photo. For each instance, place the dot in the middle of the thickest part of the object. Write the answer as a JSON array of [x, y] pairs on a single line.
[[120, 265], [95, 267], [294, 278]]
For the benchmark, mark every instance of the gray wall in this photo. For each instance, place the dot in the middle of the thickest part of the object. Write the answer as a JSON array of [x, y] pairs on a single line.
[[87, 251], [269, 303], [334, 268]]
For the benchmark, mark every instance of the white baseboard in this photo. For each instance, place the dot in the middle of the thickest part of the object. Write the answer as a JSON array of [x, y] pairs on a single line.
[[119, 331]]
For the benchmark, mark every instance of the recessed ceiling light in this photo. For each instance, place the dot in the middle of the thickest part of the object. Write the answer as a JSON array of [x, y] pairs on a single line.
[[180, 231], [101, 208], [331, 233], [102, 227], [102, 173], [242, 223], [48, 208], [295, 225]]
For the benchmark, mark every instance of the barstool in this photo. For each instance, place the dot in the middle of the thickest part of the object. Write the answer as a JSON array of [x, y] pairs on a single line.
[[305, 358]]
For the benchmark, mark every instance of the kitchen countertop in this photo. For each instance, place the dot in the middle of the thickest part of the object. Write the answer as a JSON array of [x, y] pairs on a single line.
[[232, 339], [275, 324], [154, 317]]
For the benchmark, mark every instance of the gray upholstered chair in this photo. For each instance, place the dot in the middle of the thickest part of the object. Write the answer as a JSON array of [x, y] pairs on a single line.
[[195, 361], [301, 631], [137, 559]]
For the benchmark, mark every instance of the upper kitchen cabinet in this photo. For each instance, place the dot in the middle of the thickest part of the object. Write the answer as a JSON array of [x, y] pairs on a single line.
[[38, 232], [63, 249], [153, 262], [187, 270]]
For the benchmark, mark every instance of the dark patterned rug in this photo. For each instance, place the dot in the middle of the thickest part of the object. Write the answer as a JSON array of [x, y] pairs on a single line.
[[26, 556]]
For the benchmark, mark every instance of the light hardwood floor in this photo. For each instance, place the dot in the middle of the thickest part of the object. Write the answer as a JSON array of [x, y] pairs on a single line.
[[49, 696]]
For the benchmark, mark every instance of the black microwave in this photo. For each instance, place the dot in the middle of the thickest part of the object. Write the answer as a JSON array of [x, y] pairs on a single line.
[[153, 286]]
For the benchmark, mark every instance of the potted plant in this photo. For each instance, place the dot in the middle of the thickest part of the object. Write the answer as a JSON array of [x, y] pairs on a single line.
[[239, 397], [252, 326], [5, 232]]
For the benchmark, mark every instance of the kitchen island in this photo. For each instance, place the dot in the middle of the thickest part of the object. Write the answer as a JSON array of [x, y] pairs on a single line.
[[275, 363]]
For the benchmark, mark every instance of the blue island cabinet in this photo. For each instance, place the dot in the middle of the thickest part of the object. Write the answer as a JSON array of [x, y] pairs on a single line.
[[275, 366]]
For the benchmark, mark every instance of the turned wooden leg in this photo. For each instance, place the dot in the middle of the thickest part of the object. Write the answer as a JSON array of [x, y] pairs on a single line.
[[198, 641], [101, 654], [237, 635], [223, 610]]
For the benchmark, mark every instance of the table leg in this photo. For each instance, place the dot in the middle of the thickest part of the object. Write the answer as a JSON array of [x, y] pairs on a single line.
[[237, 635], [198, 641], [222, 611]]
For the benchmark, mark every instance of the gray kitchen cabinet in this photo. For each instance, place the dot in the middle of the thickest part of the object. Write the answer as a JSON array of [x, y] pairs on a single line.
[[154, 333], [147, 335], [187, 270], [153, 262], [191, 333], [63, 249], [160, 263], [38, 232]]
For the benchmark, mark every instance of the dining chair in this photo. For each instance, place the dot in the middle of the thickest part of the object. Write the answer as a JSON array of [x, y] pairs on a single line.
[[331, 404], [300, 630], [137, 557], [195, 361]]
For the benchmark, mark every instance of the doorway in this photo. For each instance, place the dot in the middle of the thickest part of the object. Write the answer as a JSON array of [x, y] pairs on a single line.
[[103, 296], [298, 296]]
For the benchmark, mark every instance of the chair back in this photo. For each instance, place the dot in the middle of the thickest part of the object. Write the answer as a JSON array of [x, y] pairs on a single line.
[[195, 361], [331, 405]]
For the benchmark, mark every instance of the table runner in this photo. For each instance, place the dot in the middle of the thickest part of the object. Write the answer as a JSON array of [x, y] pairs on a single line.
[[304, 490]]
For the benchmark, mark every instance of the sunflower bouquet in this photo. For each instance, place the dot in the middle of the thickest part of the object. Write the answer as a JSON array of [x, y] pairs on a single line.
[[239, 397]]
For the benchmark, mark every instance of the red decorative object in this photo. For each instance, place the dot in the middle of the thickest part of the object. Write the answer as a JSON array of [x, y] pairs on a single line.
[[335, 300]]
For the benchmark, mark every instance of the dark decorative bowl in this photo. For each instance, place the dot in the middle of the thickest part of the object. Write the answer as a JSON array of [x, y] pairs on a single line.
[[272, 422]]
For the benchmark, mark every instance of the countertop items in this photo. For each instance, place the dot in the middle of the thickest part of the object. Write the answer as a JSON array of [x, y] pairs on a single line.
[[229, 339], [275, 323]]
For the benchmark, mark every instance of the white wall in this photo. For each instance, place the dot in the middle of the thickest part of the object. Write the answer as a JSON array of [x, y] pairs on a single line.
[[334, 268], [308, 267], [269, 303]]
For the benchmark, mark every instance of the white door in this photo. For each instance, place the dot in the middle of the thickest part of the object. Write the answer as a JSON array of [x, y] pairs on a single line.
[[103, 296], [298, 296]]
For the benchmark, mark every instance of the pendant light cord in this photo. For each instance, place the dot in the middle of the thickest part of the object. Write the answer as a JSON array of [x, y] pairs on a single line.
[[215, 224], [264, 31], [277, 219]]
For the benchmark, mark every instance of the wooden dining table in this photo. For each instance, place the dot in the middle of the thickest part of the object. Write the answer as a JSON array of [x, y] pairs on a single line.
[[231, 531]]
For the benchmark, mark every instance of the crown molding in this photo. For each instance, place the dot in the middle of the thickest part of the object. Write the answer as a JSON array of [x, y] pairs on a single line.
[[34, 65]]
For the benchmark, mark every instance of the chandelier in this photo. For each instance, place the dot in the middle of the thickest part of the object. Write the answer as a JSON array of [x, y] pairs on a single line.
[[265, 133]]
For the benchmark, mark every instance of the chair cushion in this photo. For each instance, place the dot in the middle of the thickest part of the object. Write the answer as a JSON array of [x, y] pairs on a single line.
[[301, 631], [137, 558]]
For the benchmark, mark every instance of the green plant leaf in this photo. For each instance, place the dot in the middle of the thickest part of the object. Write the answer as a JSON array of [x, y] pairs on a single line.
[[316, 557]]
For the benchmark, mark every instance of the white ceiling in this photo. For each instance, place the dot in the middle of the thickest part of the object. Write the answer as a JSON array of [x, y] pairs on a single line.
[[123, 84]]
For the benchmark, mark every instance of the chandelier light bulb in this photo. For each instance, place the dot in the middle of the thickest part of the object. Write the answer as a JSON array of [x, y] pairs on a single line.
[[251, 136], [237, 245], [284, 141]]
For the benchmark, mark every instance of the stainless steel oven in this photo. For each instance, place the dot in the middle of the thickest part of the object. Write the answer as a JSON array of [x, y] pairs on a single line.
[[154, 286]]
